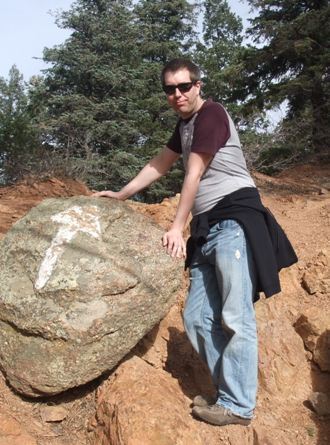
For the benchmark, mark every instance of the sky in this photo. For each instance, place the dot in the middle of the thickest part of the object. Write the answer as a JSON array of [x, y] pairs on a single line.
[[28, 26]]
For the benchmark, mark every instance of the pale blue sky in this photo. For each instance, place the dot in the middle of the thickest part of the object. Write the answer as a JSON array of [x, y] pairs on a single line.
[[26, 27]]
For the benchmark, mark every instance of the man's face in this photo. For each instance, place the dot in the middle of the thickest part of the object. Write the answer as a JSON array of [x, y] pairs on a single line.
[[183, 103]]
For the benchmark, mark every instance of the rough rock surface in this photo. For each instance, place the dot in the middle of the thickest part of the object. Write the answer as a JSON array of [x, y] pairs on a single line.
[[12, 433], [316, 279], [286, 378], [140, 404], [82, 280], [321, 403], [18, 199], [285, 414], [147, 413], [314, 328], [278, 362]]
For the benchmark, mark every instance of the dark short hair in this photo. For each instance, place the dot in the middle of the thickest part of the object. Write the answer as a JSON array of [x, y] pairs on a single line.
[[179, 64]]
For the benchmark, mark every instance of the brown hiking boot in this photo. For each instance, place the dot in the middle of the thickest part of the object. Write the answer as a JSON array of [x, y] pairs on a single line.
[[203, 400], [218, 415]]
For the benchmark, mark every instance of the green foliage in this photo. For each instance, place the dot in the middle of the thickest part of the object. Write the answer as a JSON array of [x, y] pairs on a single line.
[[167, 29], [116, 168], [290, 62], [18, 134], [89, 86], [222, 40], [167, 186], [99, 110], [103, 92], [289, 143]]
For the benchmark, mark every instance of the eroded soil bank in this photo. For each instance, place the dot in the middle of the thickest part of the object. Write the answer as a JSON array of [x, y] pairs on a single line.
[[163, 373]]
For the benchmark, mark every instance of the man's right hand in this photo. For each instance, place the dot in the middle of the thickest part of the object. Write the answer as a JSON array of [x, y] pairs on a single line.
[[109, 194]]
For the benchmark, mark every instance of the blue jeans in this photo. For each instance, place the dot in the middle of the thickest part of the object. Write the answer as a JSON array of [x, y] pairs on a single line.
[[219, 315]]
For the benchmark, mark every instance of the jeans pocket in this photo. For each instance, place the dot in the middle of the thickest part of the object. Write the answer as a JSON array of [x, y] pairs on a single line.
[[225, 224]]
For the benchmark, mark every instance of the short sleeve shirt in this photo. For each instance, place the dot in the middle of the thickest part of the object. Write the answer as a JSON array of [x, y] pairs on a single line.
[[211, 130]]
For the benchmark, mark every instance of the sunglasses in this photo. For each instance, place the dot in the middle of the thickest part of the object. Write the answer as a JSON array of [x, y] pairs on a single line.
[[182, 87]]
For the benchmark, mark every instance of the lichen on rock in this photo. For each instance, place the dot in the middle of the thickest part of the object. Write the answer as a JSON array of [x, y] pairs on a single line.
[[82, 280]]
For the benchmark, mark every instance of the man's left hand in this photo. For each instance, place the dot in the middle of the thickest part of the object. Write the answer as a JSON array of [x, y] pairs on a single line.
[[174, 243]]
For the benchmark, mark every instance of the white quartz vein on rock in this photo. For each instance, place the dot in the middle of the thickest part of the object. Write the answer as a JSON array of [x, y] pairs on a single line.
[[73, 220]]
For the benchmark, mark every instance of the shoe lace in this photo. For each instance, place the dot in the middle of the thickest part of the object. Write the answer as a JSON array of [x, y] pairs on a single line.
[[221, 408]]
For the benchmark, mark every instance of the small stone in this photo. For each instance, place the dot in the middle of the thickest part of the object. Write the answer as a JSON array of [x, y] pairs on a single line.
[[320, 402], [53, 413]]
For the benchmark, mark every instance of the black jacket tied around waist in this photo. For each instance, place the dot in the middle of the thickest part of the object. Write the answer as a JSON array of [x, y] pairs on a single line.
[[271, 249]]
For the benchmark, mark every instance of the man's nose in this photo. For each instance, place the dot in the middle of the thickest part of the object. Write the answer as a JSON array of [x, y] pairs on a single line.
[[177, 92]]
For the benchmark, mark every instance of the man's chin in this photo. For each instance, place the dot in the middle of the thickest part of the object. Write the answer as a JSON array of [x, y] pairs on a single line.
[[182, 110]]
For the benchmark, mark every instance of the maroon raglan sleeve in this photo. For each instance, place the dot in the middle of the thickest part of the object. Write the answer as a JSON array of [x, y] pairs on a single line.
[[212, 129]]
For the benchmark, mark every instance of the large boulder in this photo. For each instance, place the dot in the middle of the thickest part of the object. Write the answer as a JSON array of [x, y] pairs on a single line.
[[82, 280]]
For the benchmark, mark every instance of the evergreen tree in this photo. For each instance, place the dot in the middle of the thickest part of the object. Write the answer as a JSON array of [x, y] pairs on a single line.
[[290, 62], [167, 30], [219, 55], [18, 134], [103, 89], [92, 78], [222, 40]]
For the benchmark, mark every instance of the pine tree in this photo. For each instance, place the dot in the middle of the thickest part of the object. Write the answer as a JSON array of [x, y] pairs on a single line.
[[290, 62], [222, 40], [167, 30], [103, 89], [18, 134], [92, 77]]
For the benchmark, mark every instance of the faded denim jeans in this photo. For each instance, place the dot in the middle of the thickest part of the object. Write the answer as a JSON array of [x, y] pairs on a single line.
[[219, 315]]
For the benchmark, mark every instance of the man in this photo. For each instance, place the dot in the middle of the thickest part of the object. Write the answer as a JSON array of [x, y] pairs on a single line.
[[228, 219]]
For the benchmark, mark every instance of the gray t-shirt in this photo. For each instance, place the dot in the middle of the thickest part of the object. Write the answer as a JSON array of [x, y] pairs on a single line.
[[211, 130]]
